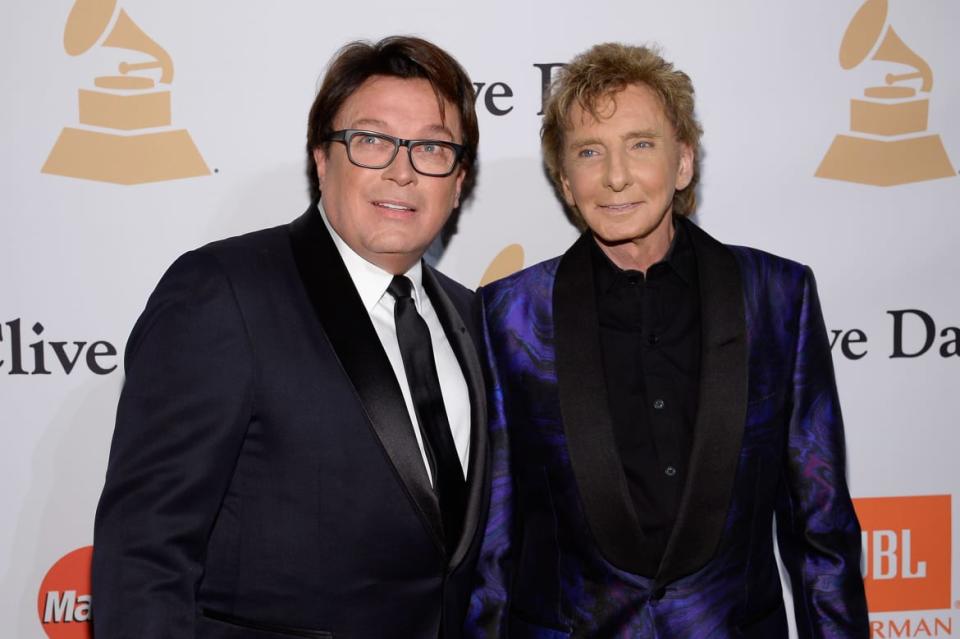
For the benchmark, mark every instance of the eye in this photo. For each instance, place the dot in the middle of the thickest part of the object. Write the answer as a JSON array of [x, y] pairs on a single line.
[[369, 140], [587, 153], [642, 144], [432, 149]]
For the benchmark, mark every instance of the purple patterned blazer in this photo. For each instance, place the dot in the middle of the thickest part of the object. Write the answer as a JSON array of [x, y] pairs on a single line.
[[768, 443]]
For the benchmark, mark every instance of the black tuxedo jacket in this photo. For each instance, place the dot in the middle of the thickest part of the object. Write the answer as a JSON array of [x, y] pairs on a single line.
[[264, 479]]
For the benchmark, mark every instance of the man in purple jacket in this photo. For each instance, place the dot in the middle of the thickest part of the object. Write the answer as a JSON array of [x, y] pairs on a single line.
[[659, 399]]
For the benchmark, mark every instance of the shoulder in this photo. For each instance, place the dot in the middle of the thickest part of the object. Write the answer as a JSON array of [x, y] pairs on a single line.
[[757, 263], [234, 257], [248, 246], [457, 291], [772, 284], [765, 271], [225, 272], [754, 264], [520, 301], [535, 281]]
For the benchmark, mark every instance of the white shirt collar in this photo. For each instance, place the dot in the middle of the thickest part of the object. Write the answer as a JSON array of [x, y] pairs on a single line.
[[370, 280]]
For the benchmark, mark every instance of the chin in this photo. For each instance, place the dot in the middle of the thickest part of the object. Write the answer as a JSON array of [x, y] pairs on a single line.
[[611, 234]]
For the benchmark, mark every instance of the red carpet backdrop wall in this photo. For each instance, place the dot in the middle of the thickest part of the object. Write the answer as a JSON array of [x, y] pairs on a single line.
[[133, 131]]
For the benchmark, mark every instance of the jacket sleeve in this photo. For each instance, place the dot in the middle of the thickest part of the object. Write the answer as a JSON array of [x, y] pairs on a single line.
[[817, 529], [489, 603], [181, 420]]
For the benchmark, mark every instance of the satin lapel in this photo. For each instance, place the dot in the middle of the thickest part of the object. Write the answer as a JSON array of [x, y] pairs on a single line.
[[465, 349], [718, 430], [586, 415], [351, 334]]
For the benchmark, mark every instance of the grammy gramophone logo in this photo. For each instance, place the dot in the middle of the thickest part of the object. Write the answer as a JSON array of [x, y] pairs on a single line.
[[125, 135], [507, 262], [888, 142]]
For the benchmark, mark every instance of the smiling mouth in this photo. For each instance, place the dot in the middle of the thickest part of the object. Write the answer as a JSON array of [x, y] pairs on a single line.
[[394, 206], [619, 207]]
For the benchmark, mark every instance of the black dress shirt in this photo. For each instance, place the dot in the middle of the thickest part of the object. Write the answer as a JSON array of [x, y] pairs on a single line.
[[650, 340]]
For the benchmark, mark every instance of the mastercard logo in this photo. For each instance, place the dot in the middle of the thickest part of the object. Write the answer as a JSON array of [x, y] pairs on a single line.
[[64, 602]]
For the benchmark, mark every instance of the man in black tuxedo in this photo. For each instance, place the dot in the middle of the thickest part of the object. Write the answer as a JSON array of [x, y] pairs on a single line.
[[300, 444]]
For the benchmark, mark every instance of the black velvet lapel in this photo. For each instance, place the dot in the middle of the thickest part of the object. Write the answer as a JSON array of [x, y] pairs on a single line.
[[585, 411], [352, 336], [718, 430], [452, 318]]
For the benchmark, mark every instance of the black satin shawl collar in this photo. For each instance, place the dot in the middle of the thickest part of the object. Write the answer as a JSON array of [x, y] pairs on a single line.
[[350, 332], [718, 428], [586, 416], [722, 412], [460, 338]]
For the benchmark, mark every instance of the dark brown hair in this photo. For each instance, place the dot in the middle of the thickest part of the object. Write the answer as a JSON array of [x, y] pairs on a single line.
[[400, 57], [606, 69]]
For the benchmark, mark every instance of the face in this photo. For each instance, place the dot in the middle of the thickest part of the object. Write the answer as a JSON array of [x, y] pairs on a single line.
[[390, 216], [621, 170]]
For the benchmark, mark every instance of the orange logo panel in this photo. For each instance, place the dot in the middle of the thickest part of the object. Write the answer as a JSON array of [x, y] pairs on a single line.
[[64, 603], [906, 552]]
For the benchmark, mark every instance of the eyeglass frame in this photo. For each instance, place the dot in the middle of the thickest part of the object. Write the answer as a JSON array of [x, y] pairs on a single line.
[[345, 135]]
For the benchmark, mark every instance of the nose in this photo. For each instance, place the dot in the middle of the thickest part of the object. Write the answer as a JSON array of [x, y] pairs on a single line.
[[617, 172], [401, 170]]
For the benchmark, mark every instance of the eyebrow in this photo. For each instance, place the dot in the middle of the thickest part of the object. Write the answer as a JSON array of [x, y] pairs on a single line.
[[433, 129], [576, 144], [371, 122], [439, 129], [640, 133]]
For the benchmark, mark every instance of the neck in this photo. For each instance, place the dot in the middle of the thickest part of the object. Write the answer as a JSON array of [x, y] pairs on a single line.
[[393, 264], [640, 253]]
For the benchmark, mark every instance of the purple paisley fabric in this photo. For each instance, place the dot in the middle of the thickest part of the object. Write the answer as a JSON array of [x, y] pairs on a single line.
[[541, 574]]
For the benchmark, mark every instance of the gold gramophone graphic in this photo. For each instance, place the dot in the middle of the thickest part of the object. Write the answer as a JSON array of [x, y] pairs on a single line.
[[126, 136], [889, 143], [507, 262]]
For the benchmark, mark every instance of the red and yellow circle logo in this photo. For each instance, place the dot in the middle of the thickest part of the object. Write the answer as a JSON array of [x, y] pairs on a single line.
[[64, 602]]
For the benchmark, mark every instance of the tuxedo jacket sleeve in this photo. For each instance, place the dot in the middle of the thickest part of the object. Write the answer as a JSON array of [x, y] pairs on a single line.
[[181, 420], [816, 527], [489, 603]]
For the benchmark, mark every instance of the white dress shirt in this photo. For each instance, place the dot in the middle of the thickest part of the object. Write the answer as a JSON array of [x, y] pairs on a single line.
[[371, 283]]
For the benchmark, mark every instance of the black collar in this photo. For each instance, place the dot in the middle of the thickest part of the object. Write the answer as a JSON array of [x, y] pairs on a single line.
[[720, 417], [680, 259]]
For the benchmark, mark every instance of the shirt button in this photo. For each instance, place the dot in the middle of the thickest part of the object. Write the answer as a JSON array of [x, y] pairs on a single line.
[[670, 471], [652, 339], [658, 404]]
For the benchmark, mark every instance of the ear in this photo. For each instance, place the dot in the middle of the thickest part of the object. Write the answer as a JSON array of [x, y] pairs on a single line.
[[567, 192], [461, 176], [321, 159], [685, 168]]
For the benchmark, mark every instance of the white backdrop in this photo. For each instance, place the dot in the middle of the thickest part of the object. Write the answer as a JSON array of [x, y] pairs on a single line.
[[79, 256]]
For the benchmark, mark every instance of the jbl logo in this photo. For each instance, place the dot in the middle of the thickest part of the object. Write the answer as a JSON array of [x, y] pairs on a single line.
[[906, 552], [890, 555]]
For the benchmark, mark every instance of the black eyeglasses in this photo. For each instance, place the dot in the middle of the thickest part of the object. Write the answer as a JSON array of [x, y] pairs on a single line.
[[372, 150]]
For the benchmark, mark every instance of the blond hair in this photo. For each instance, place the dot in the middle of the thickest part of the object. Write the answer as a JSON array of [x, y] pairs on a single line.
[[606, 69]]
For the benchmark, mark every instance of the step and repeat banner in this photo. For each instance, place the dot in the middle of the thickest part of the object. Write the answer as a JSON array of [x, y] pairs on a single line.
[[133, 131]]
